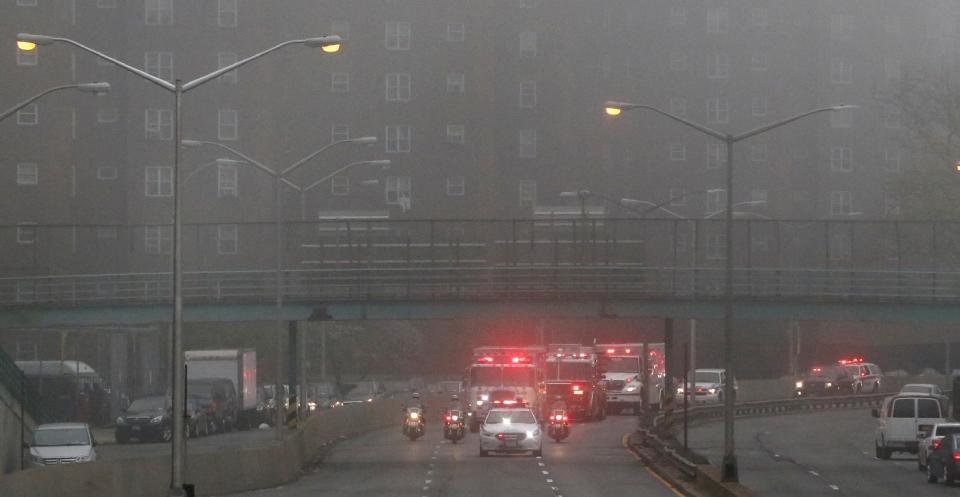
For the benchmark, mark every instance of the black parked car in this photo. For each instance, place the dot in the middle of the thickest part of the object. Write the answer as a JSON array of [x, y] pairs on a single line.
[[217, 397], [147, 418], [825, 380], [943, 463]]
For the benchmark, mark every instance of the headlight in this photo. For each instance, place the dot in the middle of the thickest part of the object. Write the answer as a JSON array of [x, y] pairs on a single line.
[[680, 390], [799, 384], [121, 421], [829, 384], [532, 434], [712, 391], [479, 403], [85, 458], [414, 415], [484, 397], [455, 417], [157, 419], [634, 389]]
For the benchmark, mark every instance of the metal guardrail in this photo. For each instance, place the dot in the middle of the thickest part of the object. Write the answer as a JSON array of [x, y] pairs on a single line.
[[704, 413], [450, 282], [663, 449]]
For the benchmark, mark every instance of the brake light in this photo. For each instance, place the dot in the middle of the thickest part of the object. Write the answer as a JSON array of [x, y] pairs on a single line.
[[578, 392], [956, 456], [564, 417], [448, 418], [863, 375], [486, 359], [499, 436], [576, 387], [610, 351], [935, 444], [509, 402], [626, 351]]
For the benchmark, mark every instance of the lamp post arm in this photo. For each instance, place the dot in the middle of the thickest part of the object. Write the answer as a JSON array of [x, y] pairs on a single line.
[[7, 113], [296, 165], [699, 127], [241, 155], [223, 70], [166, 85], [654, 207], [768, 127]]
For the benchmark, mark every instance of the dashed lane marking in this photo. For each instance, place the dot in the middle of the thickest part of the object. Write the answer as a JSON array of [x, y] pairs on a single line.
[[545, 472], [549, 480], [814, 473], [834, 487]]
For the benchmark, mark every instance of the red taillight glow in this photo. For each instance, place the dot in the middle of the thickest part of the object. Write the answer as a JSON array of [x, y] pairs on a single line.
[[956, 456], [576, 387], [500, 436], [509, 402], [935, 444], [486, 359], [627, 351], [610, 351], [448, 418]]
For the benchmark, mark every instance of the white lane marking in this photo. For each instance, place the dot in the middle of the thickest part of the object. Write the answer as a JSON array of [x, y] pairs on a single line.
[[539, 457], [428, 482], [549, 480], [834, 487], [814, 473], [545, 472], [541, 464], [426, 488], [429, 472]]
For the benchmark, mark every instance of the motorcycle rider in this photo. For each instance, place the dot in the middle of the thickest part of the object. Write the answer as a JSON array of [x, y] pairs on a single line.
[[416, 402], [454, 404], [558, 403]]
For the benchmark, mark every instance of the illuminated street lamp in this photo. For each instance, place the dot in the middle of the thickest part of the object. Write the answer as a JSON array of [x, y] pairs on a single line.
[[615, 108], [98, 88], [29, 41]]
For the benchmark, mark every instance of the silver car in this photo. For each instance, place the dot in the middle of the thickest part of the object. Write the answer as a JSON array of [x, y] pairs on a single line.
[[62, 443], [509, 431], [932, 441]]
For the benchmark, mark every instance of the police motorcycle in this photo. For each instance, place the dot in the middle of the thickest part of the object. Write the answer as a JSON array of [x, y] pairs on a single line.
[[558, 424], [454, 428], [413, 423]]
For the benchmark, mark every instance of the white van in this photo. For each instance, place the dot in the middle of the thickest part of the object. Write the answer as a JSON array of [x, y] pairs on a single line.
[[906, 417]]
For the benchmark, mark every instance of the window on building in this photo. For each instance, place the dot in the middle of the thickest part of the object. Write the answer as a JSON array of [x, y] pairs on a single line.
[[106, 4], [841, 119], [108, 115], [340, 185], [759, 152], [455, 133], [398, 87], [158, 124], [716, 200], [528, 193], [718, 20], [891, 69], [340, 82], [758, 106], [398, 138], [891, 204], [678, 197], [28, 57], [158, 181], [227, 14], [528, 143], [678, 151], [841, 26], [678, 16], [716, 155], [528, 94], [716, 246], [456, 186], [398, 190], [841, 203], [227, 127], [718, 110], [26, 3], [718, 66], [27, 173], [891, 117], [227, 239], [339, 132], [455, 31], [758, 61], [678, 106], [159, 64], [26, 233], [759, 16], [227, 184], [528, 44], [107, 173], [29, 115], [225, 59], [158, 12], [841, 159], [840, 247], [891, 159], [456, 82], [398, 35], [341, 29], [841, 71], [678, 61], [157, 239]]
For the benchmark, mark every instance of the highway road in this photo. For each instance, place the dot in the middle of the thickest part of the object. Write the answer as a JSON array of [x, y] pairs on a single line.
[[592, 462], [827, 453]]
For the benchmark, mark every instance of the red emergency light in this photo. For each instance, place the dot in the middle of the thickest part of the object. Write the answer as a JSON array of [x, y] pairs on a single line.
[[626, 350], [851, 360], [486, 359], [610, 351], [520, 359]]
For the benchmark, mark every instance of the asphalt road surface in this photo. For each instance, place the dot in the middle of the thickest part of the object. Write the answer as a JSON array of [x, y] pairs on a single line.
[[829, 453], [592, 462]]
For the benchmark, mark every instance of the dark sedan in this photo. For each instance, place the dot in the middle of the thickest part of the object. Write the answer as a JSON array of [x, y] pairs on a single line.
[[147, 418], [824, 380]]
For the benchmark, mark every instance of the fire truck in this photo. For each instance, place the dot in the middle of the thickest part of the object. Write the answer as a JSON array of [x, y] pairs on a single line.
[[572, 371], [502, 377], [624, 375]]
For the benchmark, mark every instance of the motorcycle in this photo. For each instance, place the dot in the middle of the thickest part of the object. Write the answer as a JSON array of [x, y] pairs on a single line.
[[413, 423], [559, 425], [453, 426]]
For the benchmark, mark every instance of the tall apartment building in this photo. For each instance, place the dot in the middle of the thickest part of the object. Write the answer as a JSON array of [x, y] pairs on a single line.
[[486, 109]]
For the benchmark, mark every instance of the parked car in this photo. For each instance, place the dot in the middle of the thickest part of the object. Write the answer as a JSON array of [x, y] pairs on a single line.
[[932, 441], [927, 388], [943, 462], [218, 397], [62, 443], [903, 418], [147, 418]]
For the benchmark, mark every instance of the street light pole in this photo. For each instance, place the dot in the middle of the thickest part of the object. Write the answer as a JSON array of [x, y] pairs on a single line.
[[28, 41], [729, 468], [98, 88]]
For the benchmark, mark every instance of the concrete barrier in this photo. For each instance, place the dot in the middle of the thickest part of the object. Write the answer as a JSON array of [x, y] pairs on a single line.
[[212, 473]]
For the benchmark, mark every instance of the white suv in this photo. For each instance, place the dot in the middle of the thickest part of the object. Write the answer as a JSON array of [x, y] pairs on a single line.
[[62, 443], [903, 419]]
